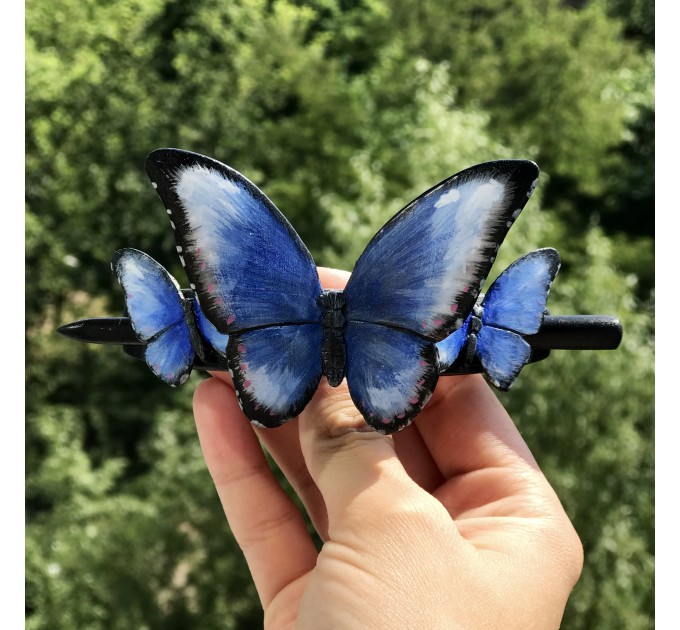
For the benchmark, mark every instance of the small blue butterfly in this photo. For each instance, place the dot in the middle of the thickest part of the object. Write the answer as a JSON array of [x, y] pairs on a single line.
[[513, 306], [415, 283], [173, 326]]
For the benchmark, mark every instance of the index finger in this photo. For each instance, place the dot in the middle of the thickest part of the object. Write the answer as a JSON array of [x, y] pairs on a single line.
[[333, 278], [466, 428]]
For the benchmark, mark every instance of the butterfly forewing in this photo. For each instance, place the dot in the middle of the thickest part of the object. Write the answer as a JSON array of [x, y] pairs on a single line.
[[152, 297], [247, 264], [517, 298], [424, 269]]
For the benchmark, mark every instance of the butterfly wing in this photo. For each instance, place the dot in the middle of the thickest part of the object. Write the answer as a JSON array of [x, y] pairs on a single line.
[[417, 281], [216, 339], [517, 298], [390, 373], [254, 277], [503, 354], [275, 370], [154, 304], [245, 261], [515, 303], [449, 348], [424, 269]]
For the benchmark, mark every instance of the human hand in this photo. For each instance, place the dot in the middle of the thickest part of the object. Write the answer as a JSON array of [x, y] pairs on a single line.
[[447, 524]]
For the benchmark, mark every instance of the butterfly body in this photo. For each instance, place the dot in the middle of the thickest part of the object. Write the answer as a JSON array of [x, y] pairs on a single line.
[[189, 306], [415, 283], [334, 318], [474, 325]]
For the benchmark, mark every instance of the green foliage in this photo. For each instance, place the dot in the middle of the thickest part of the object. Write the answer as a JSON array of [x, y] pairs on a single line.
[[565, 86], [547, 74], [638, 16], [342, 112], [589, 418], [149, 552]]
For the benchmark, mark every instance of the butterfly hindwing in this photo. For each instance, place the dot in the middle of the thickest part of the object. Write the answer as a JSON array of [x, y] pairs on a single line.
[[449, 348], [217, 340], [275, 370], [155, 306], [424, 269], [247, 264], [171, 355], [390, 373], [503, 354]]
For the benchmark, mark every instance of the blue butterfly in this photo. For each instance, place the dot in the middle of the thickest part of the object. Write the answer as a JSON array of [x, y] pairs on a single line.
[[172, 325], [513, 306], [415, 283]]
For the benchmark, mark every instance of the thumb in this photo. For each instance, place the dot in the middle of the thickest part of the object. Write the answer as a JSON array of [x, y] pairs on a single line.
[[355, 468]]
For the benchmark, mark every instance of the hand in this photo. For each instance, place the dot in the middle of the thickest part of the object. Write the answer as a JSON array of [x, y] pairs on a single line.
[[448, 524]]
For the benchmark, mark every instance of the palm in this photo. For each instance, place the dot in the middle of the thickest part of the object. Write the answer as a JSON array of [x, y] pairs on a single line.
[[455, 498], [462, 451]]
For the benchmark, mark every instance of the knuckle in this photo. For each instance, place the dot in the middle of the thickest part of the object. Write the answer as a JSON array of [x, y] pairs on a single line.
[[265, 527]]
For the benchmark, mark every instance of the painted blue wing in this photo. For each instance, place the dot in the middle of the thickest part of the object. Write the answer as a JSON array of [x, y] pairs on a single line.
[[449, 348], [503, 354], [418, 280], [155, 306], [245, 261], [275, 370], [255, 280], [517, 298], [513, 306], [216, 339], [391, 374], [424, 269]]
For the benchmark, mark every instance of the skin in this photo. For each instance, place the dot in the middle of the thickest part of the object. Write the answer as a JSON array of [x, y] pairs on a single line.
[[447, 524]]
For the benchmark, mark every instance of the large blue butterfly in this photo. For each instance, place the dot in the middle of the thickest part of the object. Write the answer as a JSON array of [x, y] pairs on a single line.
[[173, 327], [513, 306], [414, 284]]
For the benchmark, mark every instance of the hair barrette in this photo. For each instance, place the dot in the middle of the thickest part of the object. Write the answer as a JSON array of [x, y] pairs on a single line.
[[411, 312]]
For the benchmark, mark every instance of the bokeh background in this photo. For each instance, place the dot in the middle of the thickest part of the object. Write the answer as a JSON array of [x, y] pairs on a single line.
[[341, 111]]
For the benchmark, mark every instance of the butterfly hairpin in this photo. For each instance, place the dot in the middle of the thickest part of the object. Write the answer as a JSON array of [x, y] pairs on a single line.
[[415, 283], [521, 307], [410, 311], [174, 330]]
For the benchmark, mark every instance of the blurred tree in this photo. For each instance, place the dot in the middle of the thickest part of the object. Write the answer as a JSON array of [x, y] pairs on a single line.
[[589, 417], [638, 16], [564, 84], [342, 112], [546, 72]]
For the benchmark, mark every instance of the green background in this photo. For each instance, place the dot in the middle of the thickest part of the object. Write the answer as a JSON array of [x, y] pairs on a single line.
[[341, 112]]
